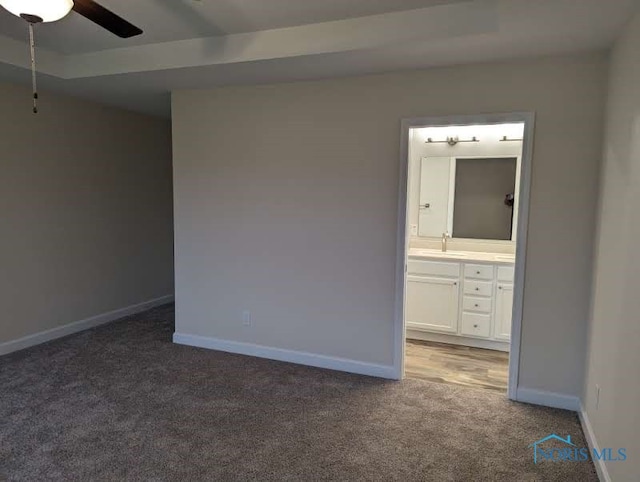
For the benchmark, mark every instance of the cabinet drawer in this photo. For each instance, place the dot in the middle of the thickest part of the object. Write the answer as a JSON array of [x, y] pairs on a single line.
[[470, 303], [506, 273], [478, 271], [476, 324], [434, 268], [478, 288]]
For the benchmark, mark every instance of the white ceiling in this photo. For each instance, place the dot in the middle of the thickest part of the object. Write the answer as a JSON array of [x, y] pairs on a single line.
[[191, 44], [171, 20]]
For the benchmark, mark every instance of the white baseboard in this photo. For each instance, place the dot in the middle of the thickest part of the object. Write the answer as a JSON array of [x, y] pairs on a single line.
[[301, 358], [601, 467], [75, 327], [548, 399]]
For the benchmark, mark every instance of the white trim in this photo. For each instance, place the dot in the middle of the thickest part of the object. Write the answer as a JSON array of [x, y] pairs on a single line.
[[521, 253], [548, 399], [403, 234], [402, 249], [77, 326], [601, 467], [291, 356]]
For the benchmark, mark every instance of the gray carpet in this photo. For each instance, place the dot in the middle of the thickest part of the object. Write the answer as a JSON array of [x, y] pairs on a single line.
[[121, 402]]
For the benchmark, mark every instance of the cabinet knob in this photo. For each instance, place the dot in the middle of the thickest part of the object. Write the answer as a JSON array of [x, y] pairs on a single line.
[[477, 289], [475, 326], [499, 287], [455, 283], [477, 305], [477, 272]]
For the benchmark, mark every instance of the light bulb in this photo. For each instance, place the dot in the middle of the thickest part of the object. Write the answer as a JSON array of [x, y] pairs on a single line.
[[47, 10]]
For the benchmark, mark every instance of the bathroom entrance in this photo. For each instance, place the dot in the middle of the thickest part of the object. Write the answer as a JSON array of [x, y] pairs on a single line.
[[464, 237]]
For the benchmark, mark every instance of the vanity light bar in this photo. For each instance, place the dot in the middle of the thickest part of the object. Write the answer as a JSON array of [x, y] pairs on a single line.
[[452, 141]]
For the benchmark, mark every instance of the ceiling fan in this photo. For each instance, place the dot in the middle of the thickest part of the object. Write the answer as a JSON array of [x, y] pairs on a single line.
[[39, 11]]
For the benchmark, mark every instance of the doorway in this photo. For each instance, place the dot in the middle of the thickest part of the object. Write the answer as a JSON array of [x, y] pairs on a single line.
[[463, 209]]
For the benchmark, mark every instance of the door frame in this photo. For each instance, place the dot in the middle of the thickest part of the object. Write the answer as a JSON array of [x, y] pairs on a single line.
[[403, 231]]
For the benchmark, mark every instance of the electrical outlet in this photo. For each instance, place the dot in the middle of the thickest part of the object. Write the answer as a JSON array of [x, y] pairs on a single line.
[[597, 397], [414, 230], [246, 318]]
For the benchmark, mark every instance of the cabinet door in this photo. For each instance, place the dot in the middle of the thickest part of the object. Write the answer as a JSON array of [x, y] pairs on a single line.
[[504, 310], [432, 304]]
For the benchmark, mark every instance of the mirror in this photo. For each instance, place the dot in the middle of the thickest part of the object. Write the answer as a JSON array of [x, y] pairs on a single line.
[[468, 197]]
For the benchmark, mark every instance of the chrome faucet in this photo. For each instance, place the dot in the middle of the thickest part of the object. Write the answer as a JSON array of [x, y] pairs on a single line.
[[445, 236]]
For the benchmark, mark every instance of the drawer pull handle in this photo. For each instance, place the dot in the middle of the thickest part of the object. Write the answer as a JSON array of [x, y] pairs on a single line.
[[475, 326], [477, 289], [477, 272], [477, 305]]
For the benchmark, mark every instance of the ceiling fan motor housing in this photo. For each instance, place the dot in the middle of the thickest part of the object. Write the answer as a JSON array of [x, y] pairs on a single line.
[[31, 18]]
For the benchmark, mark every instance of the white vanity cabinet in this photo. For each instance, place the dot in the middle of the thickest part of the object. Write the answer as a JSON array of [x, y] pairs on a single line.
[[433, 295], [462, 302], [432, 304]]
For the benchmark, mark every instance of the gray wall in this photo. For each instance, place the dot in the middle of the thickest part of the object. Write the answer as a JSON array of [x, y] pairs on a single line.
[[481, 186], [286, 204], [614, 347], [86, 202]]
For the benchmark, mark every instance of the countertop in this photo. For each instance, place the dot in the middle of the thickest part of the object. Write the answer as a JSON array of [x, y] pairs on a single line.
[[468, 256]]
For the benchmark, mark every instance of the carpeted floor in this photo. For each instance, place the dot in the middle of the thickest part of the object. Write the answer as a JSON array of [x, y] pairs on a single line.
[[121, 402]]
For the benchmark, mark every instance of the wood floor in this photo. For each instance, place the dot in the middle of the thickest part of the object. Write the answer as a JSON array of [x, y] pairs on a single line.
[[457, 365]]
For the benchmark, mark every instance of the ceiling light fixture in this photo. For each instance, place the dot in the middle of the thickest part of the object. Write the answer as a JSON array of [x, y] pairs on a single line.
[[38, 10]]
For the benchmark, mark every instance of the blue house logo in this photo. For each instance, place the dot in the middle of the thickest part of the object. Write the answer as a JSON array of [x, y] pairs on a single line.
[[564, 450], [537, 449]]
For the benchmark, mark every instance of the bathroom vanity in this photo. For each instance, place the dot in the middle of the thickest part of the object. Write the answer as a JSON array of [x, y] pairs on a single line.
[[458, 297]]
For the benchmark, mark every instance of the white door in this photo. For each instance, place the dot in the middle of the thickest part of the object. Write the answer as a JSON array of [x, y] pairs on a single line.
[[432, 304], [504, 311], [435, 196]]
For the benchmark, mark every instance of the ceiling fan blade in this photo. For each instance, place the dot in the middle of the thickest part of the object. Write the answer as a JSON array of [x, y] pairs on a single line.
[[105, 18]]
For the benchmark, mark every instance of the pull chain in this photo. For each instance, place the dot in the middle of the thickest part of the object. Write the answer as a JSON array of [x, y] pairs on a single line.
[[32, 45]]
